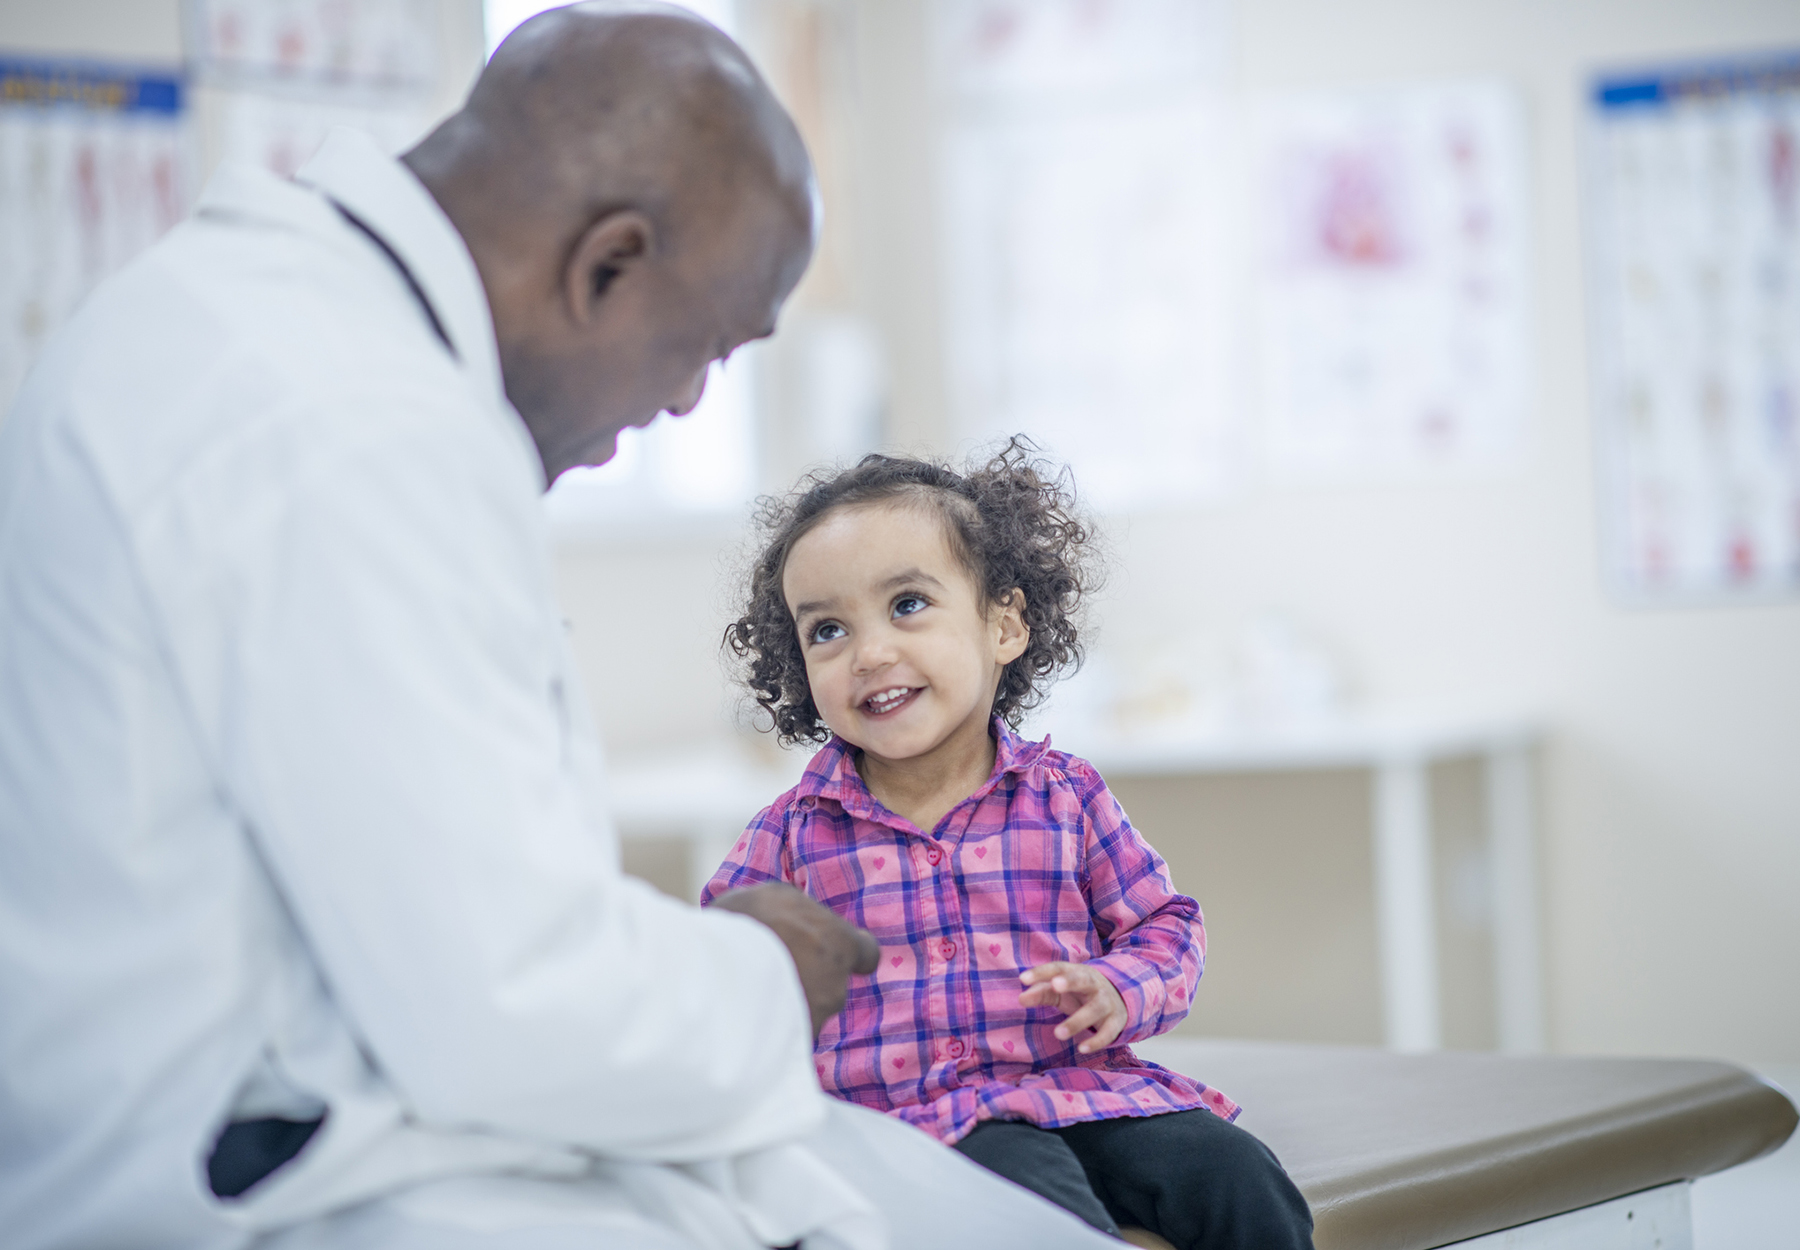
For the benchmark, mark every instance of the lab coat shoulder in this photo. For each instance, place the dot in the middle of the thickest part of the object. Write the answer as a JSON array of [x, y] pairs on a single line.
[[263, 351], [247, 386]]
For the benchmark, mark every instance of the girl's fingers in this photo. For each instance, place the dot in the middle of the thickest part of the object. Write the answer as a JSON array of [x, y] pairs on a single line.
[[1073, 982], [1105, 1035], [1043, 972], [1064, 1003], [1106, 1032], [1091, 1015], [1086, 997]]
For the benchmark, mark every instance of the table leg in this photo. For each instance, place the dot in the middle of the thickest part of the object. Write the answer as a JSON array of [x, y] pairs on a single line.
[[1512, 847], [1406, 905]]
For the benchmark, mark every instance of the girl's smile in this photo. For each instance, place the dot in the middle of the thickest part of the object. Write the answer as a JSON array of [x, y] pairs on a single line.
[[887, 702]]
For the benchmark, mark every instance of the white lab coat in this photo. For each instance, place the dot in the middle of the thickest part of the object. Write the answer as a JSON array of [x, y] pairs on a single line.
[[299, 805]]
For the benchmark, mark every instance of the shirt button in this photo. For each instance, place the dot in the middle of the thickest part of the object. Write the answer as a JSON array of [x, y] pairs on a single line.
[[934, 856], [954, 1048], [948, 950]]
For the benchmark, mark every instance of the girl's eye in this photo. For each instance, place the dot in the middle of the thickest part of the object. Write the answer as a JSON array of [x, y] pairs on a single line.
[[906, 605], [827, 631]]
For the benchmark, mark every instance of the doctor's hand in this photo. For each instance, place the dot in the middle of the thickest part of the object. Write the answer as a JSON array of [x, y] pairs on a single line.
[[825, 948], [1084, 995]]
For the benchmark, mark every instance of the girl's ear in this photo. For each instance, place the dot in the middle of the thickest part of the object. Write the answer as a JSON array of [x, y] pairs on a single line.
[[1014, 635]]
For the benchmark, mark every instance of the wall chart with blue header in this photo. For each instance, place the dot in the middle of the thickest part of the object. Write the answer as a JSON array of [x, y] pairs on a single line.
[[94, 167], [1694, 227]]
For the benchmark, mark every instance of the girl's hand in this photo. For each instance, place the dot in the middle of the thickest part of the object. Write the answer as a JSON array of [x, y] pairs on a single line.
[[1085, 996]]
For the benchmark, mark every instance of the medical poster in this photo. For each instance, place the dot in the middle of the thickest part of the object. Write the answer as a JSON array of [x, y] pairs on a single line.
[[371, 42], [1085, 272], [1694, 216], [1390, 281], [275, 76], [280, 131], [94, 167], [1008, 51], [1084, 238]]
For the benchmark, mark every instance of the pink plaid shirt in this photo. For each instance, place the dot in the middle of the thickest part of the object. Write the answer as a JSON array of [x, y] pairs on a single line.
[[1039, 864]]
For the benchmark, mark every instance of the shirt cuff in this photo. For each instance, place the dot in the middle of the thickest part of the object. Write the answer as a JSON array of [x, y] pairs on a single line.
[[1140, 984]]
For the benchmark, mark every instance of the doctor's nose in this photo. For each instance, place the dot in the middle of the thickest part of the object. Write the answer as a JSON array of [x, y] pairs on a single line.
[[688, 398]]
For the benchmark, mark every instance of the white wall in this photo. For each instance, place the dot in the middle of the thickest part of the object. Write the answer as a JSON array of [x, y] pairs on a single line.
[[1671, 806], [136, 31]]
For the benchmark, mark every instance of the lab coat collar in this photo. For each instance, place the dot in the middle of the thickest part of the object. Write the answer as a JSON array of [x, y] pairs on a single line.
[[352, 170], [832, 774], [385, 195]]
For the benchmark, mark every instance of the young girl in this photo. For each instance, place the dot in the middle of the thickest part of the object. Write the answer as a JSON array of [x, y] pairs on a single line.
[[908, 615]]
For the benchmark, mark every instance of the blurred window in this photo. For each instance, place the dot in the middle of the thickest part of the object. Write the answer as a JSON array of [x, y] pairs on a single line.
[[703, 462]]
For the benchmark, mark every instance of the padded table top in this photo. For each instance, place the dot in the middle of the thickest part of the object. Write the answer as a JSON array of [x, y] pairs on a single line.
[[1405, 1152]]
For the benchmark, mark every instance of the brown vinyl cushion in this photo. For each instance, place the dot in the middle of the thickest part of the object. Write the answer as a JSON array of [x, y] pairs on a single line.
[[1406, 1152]]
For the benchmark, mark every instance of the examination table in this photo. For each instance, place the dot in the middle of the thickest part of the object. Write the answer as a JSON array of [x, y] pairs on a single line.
[[1406, 1152]]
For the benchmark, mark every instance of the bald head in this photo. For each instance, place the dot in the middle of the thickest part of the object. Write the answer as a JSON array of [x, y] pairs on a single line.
[[599, 105], [638, 204]]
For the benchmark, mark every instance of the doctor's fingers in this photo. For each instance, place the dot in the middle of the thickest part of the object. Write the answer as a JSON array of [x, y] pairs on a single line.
[[868, 952], [825, 948]]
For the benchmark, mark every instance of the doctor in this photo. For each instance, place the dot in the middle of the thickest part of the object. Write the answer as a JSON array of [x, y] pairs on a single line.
[[312, 931]]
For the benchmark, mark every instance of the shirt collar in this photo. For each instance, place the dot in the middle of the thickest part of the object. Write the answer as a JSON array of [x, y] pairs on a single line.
[[352, 170], [832, 773]]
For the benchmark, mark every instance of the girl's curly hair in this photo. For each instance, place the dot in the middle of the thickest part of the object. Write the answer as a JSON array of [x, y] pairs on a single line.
[[1012, 524]]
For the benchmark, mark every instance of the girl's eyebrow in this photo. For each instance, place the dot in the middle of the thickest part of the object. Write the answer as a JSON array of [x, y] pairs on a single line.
[[911, 577]]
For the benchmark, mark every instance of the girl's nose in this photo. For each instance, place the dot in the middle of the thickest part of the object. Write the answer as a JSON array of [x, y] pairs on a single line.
[[872, 655]]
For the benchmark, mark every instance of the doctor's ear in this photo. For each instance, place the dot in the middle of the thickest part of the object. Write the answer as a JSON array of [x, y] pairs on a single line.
[[605, 251]]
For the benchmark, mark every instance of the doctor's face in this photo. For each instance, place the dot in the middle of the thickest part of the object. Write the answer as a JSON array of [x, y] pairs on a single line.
[[658, 312]]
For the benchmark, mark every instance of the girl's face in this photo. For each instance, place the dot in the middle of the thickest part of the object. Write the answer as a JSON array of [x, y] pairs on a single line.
[[902, 654]]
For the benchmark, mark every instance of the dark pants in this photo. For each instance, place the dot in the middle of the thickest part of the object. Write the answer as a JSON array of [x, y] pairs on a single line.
[[1187, 1176]]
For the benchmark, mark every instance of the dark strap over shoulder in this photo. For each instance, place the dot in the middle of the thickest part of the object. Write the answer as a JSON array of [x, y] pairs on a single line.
[[406, 274]]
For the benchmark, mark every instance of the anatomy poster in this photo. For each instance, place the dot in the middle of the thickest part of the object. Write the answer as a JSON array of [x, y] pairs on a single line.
[[93, 169], [277, 75], [1390, 281], [1694, 199], [372, 42], [1007, 51], [1084, 240], [281, 131]]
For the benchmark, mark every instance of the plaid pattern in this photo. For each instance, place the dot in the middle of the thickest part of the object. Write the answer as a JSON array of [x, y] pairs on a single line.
[[1039, 864]]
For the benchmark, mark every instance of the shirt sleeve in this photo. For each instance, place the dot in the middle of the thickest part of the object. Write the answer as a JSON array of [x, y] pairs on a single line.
[[757, 857], [1155, 938], [383, 670]]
